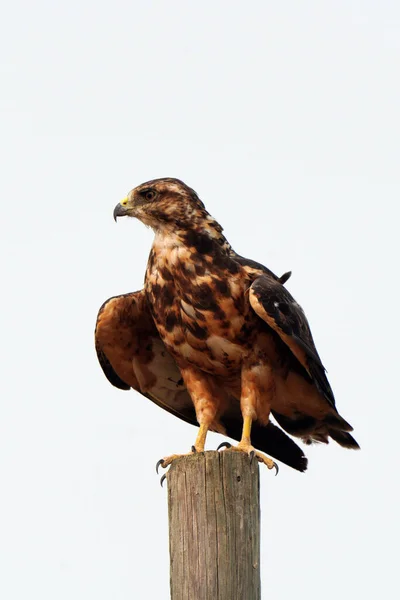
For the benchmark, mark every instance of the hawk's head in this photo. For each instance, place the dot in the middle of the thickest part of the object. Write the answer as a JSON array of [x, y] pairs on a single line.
[[163, 203]]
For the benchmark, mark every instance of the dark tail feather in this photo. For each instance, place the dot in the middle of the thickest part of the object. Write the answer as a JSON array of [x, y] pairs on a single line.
[[335, 421], [343, 438], [271, 440]]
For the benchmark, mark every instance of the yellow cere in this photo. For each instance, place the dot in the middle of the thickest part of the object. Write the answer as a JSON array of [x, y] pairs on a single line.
[[124, 201]]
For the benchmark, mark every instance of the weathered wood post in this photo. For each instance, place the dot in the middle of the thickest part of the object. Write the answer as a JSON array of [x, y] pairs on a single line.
[[214, 527]]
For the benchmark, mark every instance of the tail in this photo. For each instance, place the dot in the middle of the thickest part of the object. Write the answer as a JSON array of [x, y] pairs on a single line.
[[339, 429], [343, 438], [273, 441], [311, 430]]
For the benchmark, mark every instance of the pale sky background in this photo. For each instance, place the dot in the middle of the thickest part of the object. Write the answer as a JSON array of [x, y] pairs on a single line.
[[284, 117]]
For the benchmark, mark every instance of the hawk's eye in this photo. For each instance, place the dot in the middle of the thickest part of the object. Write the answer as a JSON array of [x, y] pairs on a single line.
[[149, 194]]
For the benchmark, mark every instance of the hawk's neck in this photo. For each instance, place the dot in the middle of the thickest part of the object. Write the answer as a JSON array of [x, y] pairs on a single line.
[[205, 235], [185, 251]]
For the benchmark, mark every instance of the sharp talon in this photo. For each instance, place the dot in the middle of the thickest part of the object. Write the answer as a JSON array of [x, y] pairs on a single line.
[[276, 468], [194, 449], [163, 478], [224, 445], [252, 455], [159, 464]]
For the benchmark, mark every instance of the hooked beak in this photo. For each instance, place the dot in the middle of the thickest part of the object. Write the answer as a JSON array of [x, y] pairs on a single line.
[[121, 210]]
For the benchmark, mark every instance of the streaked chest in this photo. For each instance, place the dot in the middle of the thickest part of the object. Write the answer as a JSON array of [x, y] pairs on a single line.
[[200, 307]]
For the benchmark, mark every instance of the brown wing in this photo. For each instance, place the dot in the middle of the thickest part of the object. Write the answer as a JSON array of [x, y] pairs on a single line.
[[132, 354], [273, 303]]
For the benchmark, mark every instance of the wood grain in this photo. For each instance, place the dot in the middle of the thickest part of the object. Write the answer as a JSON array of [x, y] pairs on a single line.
[[214, 527]]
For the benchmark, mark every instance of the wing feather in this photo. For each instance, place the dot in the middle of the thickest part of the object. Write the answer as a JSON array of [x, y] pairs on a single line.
[[131, 354], [109, 371], [275, 305]]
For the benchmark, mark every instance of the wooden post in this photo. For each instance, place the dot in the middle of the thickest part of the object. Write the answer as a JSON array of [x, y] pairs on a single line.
[[214, 527]]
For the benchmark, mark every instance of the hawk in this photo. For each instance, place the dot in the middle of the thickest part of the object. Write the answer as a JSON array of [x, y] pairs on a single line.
[[216, 339]]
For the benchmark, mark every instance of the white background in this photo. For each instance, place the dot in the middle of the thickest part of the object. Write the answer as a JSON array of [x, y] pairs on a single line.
[[284, 117]]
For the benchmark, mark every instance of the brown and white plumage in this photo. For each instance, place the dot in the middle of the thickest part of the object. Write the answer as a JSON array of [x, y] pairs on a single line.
[[214, 337], [132, 355]]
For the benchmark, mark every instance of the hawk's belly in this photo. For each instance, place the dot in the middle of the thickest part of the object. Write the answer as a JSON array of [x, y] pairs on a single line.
[[216, 339]]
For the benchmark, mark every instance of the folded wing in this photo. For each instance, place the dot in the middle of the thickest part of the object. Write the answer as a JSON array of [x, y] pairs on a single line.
[[275, 306]]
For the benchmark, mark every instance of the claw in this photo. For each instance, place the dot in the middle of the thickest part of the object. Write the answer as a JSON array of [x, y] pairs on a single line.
[[224, 445], [261, 459], [163, 478], [194, 449], [159, 464], [252, 454]]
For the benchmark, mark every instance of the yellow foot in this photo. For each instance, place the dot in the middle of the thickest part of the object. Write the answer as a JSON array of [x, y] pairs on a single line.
[[165, 462], [247, 448]]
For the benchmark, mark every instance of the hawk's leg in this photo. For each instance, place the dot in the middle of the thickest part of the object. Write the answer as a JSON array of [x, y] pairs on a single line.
[[198, 447], [206, 404], [257, 386], [245, 446]]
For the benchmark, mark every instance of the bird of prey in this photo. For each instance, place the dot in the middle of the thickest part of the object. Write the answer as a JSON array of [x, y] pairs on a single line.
[[214, 338]]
